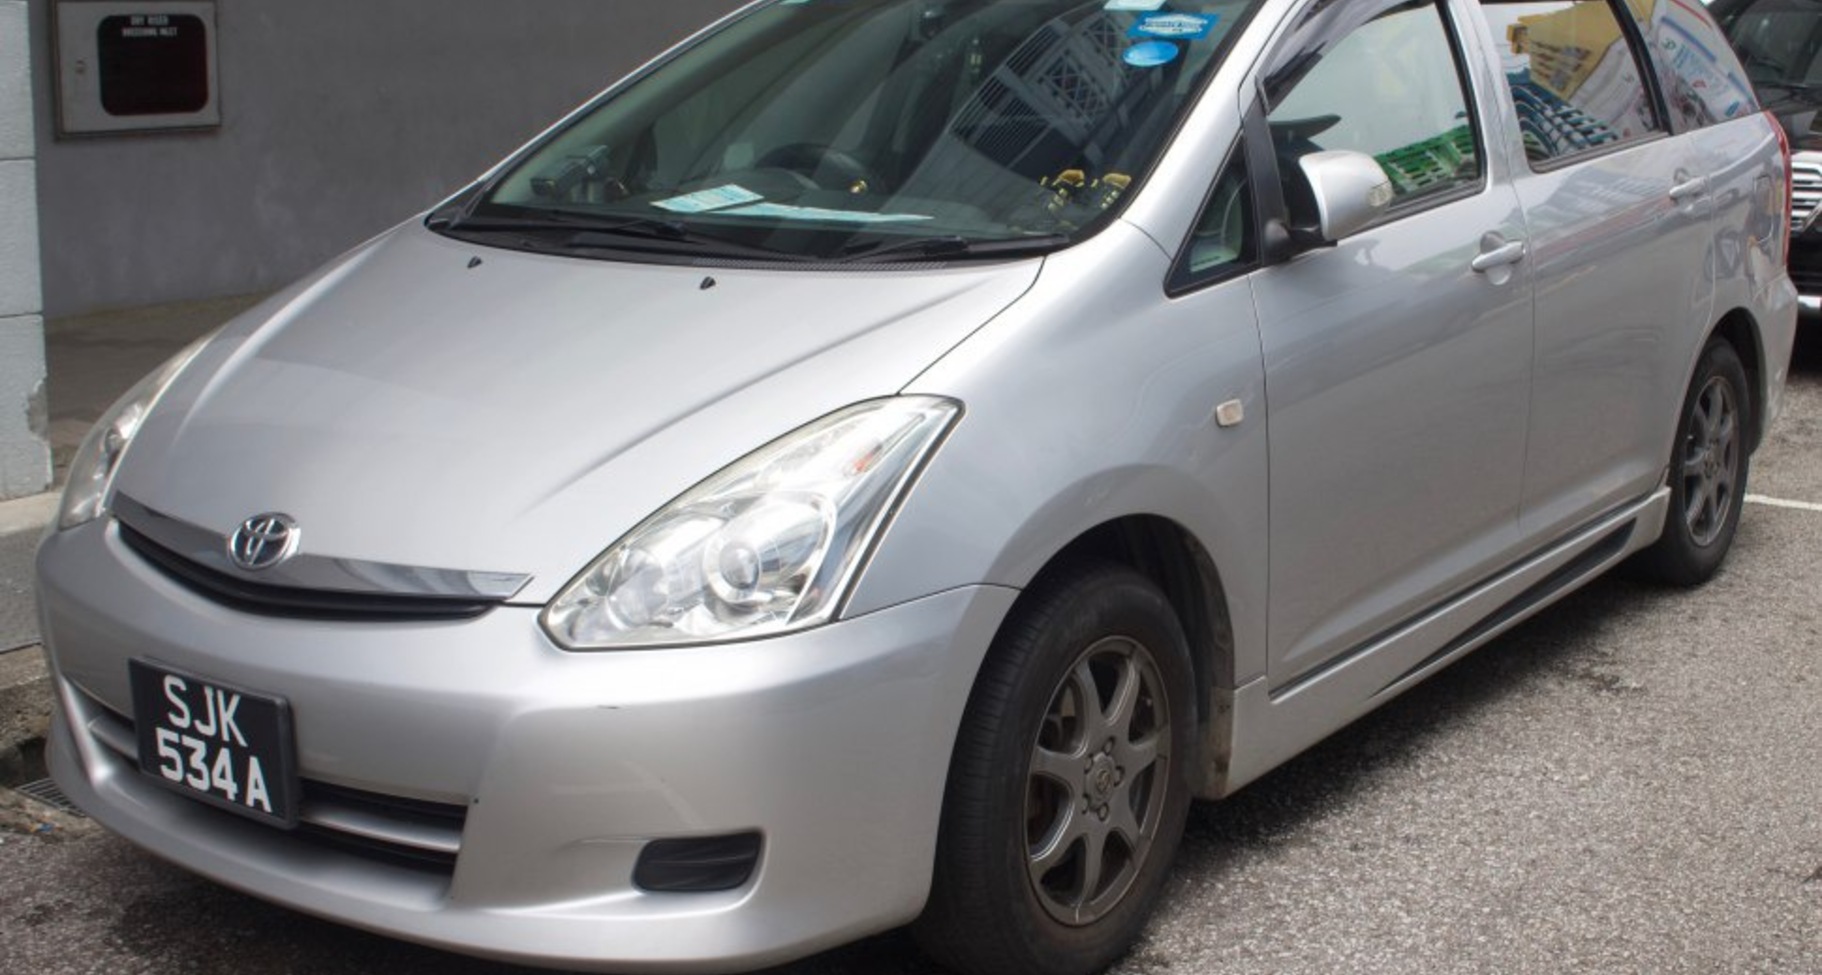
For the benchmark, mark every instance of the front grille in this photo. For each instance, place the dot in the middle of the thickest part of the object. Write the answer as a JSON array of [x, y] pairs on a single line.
[[406, 832], [290, 603], [412, 833], [379, 851], [1805, 191]]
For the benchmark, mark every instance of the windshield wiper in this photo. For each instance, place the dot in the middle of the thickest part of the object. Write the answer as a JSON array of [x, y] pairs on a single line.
[[545, 222], [619, 233], [651, 230], [585, 232], [951, 246]]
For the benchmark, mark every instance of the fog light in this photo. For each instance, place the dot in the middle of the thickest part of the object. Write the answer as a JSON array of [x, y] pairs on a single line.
[[697, 866]]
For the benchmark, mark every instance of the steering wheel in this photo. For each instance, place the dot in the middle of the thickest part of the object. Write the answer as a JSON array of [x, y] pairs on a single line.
[[826, 166]]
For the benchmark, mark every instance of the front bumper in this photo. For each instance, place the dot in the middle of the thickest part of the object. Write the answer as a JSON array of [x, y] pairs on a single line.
[[833, 744]]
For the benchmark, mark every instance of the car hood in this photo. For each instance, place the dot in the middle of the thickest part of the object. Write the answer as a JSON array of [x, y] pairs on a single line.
[[430, 403]]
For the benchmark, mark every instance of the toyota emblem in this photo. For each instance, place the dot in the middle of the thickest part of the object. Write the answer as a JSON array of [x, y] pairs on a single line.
[[264, 541]]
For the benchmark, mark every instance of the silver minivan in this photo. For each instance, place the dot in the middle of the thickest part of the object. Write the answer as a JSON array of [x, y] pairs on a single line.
[[883, 460]]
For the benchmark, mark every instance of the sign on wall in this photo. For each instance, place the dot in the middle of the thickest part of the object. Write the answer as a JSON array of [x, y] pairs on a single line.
[[135, 67]]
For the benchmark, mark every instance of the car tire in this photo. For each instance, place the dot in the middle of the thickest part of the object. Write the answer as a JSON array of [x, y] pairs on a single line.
[[1061, 819], [1707, 474]]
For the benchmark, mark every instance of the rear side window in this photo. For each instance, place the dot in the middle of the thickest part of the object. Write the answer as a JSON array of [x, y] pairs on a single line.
[[1574, 75], [1701, 80]]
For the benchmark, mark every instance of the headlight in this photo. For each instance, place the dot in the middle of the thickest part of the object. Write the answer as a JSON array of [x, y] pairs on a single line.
[[92, 472], [767, 546]]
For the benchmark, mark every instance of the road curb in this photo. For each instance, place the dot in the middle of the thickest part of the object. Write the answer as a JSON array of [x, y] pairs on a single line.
[[28, 514]]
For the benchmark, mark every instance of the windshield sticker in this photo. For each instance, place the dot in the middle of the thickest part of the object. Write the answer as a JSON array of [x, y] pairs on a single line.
[[1147, 5], [719, 198], [1152, 54], [1175, 27], [781, 211]]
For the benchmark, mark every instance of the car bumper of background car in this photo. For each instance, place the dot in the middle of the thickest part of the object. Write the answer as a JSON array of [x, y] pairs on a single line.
[[1806, 272], [546, 775]]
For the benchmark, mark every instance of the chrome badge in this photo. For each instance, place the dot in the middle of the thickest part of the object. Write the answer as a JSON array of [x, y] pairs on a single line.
[[264, 541]]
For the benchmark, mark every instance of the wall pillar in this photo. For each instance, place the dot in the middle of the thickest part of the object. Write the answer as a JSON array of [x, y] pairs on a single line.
[[25, 457]]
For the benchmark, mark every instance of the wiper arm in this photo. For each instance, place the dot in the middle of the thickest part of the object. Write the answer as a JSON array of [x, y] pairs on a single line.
[[548, 221], [951, 246], [609, 235], [583, 232]]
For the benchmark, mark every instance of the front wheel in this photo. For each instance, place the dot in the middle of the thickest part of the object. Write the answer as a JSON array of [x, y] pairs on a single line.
[[1707, 474], [1069, 787]]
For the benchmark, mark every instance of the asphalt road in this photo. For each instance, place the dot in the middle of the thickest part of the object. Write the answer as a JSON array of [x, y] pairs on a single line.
[[1630, 783]]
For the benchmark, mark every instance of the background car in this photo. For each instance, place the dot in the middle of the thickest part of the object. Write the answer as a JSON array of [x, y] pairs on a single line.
[[1780, 46]]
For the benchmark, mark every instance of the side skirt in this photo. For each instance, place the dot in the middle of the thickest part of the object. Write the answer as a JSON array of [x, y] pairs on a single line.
[[1256, 729]]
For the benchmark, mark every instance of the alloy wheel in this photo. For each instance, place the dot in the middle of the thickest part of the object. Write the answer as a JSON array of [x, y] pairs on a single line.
[[1098, 774], [1711, 461]]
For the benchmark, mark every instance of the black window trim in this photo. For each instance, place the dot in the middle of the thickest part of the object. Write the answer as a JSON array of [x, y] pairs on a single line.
[[1576, 158], [1648, 65]]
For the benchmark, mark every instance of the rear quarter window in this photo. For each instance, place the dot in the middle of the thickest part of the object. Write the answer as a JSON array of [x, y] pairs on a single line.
[[1701, 79]]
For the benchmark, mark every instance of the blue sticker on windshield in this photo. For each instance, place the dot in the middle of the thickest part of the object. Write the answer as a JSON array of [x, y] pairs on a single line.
[[1151, 54], [1175, 27]]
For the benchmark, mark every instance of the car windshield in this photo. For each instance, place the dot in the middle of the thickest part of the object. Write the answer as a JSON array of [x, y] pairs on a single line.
[[869, 129], [1779, 41]]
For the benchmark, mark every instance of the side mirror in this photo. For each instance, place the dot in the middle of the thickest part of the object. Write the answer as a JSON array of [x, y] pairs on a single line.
[[1351, 191]]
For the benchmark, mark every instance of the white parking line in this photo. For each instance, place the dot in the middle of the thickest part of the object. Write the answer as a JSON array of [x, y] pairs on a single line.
[[1781, 503]]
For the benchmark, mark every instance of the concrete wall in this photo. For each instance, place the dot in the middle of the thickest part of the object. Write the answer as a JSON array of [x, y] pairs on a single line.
[[340, 118], [25, 460]]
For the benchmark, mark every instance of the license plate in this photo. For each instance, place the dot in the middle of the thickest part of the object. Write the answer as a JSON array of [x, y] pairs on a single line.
[[216, 743]]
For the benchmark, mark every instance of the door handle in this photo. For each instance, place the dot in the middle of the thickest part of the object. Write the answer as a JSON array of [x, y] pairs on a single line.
[[1499, 257], [1689, 190]]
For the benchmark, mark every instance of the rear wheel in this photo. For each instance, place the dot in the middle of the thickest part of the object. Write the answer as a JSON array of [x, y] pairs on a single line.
[[1069, 787], [1707, 474]]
